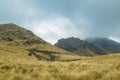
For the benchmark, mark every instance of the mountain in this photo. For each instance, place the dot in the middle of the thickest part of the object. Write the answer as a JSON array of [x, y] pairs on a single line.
[[11, 32], [79, 47], [21, 51], [105, 44], [20, 43], [90, 46]]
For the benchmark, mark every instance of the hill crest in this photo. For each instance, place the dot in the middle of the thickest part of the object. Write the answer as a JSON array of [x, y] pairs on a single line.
[[15, 39]]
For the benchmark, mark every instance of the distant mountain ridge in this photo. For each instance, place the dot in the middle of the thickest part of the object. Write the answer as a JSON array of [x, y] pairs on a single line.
[[89, 47], [106, 44], [15, 38]]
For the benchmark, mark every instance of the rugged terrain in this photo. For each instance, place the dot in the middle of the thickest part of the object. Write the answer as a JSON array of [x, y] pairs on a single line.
[[90, 46], [24, 56], [105, 44], [19, 42]]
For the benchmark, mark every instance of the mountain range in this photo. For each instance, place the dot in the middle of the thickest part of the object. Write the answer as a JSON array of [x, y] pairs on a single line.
[[89, 46], [25, 56], [21, 42]]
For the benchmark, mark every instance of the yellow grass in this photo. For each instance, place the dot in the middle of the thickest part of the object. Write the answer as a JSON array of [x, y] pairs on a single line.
[[96, 68], [15, 64]]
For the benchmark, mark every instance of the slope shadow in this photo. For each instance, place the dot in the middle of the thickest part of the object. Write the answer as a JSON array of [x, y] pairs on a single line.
[[70, 60], [48, 53]]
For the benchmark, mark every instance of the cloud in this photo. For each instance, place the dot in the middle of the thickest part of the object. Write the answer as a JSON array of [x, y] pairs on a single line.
[[55, 28], [54, 19]]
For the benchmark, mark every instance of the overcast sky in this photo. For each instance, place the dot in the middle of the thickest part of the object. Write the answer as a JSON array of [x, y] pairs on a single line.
[[55, 19]]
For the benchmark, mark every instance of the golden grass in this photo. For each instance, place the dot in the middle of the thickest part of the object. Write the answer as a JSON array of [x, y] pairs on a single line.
[[90, 68], [9, 49], [15, 64]]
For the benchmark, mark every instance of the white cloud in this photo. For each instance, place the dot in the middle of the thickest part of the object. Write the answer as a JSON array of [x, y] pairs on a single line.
[[115, 39], [53, 29], [54, 20]]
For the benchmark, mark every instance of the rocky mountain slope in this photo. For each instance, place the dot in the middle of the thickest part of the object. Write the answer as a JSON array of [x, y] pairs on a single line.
[[105, 44], [89, 47], [22, 43]]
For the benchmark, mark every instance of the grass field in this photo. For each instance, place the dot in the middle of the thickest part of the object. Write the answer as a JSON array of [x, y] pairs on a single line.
[[24, 56], [15, 64], [88, 68]]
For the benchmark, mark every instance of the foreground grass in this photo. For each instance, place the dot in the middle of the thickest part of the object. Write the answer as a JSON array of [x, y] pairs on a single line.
[[15, 64], [95, 68]]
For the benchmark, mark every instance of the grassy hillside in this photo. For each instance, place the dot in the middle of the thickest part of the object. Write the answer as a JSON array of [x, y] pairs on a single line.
[[16, 41], [24, 56], [42, 52], [88, 68]]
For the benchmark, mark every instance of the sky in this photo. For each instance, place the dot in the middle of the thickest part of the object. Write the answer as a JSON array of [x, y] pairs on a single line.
[[55, 19]]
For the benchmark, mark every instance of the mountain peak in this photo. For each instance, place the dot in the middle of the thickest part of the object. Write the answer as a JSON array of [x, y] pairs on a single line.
[[92, 46], [13, 32], [78, 46], [9, 25], [71, 39]]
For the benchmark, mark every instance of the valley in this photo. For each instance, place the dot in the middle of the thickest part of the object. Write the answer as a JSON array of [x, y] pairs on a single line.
[[24, 56]]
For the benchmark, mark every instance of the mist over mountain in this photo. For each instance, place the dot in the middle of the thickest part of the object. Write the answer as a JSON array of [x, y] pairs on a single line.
[[79, 18], [36, 42], [106, 44], [15, 35], [90, 46]]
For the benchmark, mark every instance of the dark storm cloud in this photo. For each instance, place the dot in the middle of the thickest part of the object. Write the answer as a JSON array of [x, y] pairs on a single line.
[[83, 18]]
